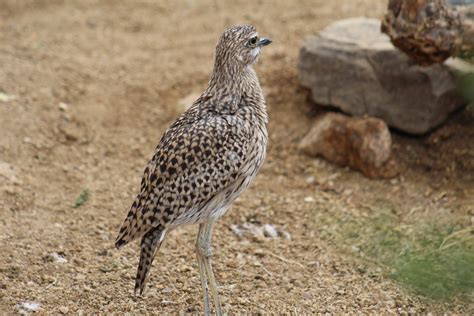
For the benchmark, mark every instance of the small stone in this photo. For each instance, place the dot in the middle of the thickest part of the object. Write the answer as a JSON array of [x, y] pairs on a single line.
[[185, 269], [310, 179], [64, 310], [167, 290], [27, 140], [63, 106], [362, 143], [6, 98], [257, 232], [237, 231], [7, 171], [355, 249], [232, 286], [286, 235], [26, 307], [309, 199], [270, 231], [70, 132], [54, 257]]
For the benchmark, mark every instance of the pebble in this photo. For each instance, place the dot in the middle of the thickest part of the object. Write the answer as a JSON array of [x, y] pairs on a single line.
[[256, 231], [54, 257], [64, 310], [58, 258], [6, 97], [286, 235], [270, 231], [237, 231], [63, 106], [27, 307], [309, 199], [259, 233], [7, 171], [167, 290]]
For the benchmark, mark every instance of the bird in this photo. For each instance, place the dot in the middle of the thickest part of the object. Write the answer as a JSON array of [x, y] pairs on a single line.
[[204, 160]]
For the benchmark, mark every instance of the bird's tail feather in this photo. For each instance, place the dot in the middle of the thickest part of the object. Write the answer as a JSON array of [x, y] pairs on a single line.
[[150, 244], [131, 226]]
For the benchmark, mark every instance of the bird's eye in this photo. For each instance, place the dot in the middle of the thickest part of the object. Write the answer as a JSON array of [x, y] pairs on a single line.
[[253, 41]]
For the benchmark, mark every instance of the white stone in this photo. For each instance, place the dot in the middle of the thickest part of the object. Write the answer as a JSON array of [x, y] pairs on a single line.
[[6, 97], [270, 231], [27, 307], [63, 106], [309, 199], [58, 258]]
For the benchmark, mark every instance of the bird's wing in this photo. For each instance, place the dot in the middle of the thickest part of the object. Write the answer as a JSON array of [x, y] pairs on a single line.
[[193, 162]]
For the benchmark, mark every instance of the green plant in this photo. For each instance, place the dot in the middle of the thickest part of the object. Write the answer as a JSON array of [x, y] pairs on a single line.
[[81, 199], [433, 258]]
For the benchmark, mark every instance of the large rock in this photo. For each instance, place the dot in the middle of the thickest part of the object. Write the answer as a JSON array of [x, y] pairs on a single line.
[[351, 65], [362, 143]]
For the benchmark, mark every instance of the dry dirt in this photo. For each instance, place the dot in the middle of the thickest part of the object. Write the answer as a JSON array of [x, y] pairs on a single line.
[[122, 67]]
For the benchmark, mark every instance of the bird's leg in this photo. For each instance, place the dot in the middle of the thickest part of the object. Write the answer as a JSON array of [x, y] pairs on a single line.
[[204, 248], [208, 266], [202, 269]]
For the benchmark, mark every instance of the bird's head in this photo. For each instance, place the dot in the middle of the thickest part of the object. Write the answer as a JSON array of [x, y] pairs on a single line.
[[240, 45]]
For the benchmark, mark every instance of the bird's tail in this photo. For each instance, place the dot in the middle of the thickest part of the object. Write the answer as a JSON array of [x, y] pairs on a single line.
[[150, 244], [132, 227]]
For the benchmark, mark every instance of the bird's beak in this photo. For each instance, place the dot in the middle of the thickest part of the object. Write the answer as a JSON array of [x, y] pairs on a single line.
[[264, 42]]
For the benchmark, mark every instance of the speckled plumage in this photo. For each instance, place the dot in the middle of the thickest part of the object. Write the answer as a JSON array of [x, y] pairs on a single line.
[[208, 156]]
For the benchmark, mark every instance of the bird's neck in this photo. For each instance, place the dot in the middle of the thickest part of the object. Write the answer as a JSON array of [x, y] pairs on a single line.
[[237, 91], [230, 79]]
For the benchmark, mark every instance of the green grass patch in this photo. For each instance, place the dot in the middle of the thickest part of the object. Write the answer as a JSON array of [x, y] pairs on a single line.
[[438, 274], [434, 258], [81, 199]]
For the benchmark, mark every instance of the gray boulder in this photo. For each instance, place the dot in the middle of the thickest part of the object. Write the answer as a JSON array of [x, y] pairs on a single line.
[[352, 66]]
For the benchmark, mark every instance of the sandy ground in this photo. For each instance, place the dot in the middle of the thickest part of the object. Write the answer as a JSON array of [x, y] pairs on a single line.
[[122, 67]]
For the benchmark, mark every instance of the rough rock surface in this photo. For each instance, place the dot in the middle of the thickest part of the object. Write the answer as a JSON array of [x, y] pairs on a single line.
[[363, 143], [351, 65]]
